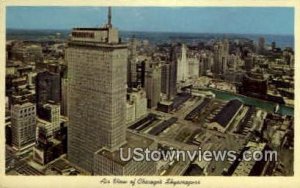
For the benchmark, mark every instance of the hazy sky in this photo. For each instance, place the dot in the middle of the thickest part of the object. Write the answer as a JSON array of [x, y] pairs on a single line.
[[189, 19]]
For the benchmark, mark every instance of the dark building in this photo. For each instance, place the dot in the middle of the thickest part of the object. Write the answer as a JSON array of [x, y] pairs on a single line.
[[228, 112], [261, 45], [273, 45], [140, 74], [47, 87], [169, 74], [254, 85]]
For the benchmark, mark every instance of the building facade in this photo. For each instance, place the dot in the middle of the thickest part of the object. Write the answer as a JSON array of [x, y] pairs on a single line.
[[23, 124], [97, 74], [153, 84]]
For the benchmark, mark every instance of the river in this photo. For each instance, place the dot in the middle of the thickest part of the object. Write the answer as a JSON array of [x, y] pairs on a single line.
[[266, 105]]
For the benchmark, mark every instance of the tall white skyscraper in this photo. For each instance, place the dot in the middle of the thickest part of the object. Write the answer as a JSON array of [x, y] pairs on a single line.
[[182, 65]]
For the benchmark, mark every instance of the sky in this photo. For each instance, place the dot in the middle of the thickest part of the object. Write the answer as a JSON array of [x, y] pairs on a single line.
[[241, 20]]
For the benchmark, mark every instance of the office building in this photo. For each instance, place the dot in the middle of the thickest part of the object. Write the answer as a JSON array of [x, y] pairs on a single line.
[[137, 97], [169, 74], [23, 124], [110, 163], [50, 112], [97, 72], [182, 65], [261, 45], [221, 51], [47, 87], [153, 84], [193, 63]]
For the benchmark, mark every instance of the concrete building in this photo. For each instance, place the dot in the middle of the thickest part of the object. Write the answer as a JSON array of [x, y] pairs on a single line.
[[132, 63], [193, 67], [50, 112], [47, 87], [27, 52], [253, 167], [205, 64], [138, 98], [64, 96], [153, 84], [97, 78], [110, 163], [182, 65], [130, 112], [249, 62], [261, 45], [165, 71], [221, 51], [23, 124], [169, 75], [254, 84]]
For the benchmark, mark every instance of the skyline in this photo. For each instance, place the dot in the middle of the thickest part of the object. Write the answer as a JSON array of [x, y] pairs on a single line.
[[75, 101], [148, 19]]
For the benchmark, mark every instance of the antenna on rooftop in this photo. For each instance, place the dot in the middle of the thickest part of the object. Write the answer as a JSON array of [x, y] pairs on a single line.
[[109, 17]]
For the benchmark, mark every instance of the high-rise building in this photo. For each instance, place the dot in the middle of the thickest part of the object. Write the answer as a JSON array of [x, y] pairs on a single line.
[[140, 74], [169, 75], [193, 67], [23, 124], [273, 45], [97, 72], [51, 113], [165, 71], [64, 91], [182, 65], [205, 64], [261, 45], [64, 96], [153, 84], [249, 62], [132, 63], [137, 97], [221, 51], [47, 87]]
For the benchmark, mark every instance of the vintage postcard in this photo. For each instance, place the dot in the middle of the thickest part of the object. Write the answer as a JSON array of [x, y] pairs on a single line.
[[149, 94]]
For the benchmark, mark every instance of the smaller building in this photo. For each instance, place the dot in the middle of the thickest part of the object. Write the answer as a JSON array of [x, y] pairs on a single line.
[[227, 114], [130, 112], [108, 162], [23, 125], [50, 112], [137, 97], [254, 167]]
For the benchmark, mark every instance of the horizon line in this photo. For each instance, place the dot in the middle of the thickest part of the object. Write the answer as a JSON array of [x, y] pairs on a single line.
[[187, 32]]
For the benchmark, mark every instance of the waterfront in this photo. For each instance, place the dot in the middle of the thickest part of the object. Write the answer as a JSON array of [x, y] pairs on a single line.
[[266, 105]]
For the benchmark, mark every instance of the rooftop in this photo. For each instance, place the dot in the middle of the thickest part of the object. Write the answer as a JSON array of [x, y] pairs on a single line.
[[133, 141], [227, 112]]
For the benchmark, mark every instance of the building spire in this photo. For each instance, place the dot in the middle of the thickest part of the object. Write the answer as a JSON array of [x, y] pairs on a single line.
[[109, 17]]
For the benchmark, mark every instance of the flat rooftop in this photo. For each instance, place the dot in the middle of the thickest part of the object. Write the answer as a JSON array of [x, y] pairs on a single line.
[[133, 141]]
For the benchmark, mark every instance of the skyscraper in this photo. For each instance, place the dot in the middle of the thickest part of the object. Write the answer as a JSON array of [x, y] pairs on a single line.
[[169, 74], [182, 65], [23, 124], [153, 83], [132, 63], [47, 87], [261, 45], [221, 51], [97, 71]]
